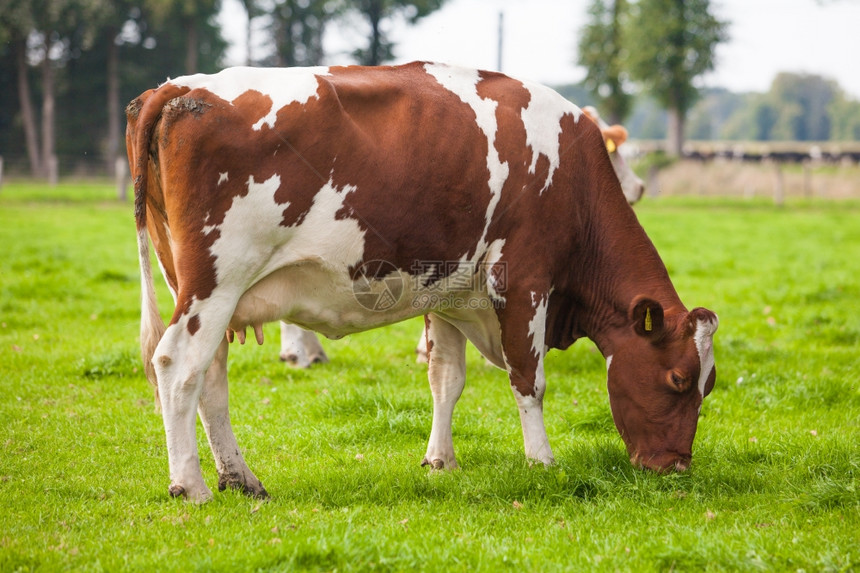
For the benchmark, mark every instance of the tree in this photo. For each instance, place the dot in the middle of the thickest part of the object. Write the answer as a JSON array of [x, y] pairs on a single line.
[[100, 54], [193, 15], [602, 53], [297, 28], [802, 104], [845, 114], [46, 33], [671, 43], [252, 10], [380, 49]]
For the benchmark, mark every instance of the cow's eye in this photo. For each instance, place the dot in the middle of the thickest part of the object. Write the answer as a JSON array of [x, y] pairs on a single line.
[[678, 381]]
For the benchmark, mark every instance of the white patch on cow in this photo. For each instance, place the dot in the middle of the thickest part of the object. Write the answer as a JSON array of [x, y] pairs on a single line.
[[223, 178], [704, 339], [283, 86], [496, 276], [252, 221], [339, 241], [464, 84], [608, 362], [300, 273], [537, 327], [253, 243], [542, 122]]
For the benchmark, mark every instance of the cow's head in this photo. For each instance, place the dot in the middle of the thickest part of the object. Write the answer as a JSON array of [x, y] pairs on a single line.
[[660, 372]]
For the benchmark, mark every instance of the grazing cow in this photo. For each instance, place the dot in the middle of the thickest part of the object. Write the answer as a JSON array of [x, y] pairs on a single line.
[[346, 198], [301, 348]]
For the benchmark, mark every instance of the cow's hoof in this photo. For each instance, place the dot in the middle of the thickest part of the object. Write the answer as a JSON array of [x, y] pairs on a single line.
[[251, 487], [198, 495], [319, 358], [292, 359], [439, 464]]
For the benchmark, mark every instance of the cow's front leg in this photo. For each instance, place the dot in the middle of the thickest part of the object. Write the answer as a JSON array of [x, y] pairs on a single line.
[[233, 472], [446, 348], [180, 382], [523, 342]]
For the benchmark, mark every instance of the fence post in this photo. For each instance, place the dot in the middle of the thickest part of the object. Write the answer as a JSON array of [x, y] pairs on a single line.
[[121, 176], [653, 185], [779, 188], [53, 171]]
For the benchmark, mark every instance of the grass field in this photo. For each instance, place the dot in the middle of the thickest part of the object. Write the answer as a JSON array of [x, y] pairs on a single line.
[[774, 486]]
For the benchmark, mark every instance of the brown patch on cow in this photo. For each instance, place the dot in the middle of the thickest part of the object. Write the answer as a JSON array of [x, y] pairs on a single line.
[[427, 339], [510, 142], [197, 199], [447, 177], [193, 324]]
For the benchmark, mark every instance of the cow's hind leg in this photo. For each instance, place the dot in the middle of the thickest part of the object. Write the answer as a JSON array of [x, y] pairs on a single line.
[[181, 361], [233, 472], [447, 372]]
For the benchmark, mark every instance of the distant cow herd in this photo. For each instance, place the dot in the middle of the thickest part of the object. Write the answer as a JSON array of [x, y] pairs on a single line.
[[759, 152]]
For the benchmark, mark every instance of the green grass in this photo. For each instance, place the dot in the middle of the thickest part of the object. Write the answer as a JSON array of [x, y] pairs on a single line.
[[774, 484]]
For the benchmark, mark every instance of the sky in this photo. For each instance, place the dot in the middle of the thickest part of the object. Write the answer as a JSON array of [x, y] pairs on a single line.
[[540, 37]]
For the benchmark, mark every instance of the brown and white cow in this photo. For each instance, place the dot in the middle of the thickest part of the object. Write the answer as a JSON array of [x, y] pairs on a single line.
[[301, 348], [342, 199]]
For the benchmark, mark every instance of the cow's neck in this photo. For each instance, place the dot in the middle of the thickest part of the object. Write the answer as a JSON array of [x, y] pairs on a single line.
[[618, 264]]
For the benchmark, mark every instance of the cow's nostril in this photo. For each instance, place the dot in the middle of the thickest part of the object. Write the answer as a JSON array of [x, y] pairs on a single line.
[[291, 358]]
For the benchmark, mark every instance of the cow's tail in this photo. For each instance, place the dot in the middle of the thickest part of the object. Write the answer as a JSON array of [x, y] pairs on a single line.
[[151, 326], [142, 115]]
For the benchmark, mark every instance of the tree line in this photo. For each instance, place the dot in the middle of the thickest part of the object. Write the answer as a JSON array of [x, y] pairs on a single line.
[[644, 60], [68, 67]]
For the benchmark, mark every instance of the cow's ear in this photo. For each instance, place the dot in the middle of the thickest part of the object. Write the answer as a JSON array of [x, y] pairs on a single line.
[[647, 317], [614, 135]]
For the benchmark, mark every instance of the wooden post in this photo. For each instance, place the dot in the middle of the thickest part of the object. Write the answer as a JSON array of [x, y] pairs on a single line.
[[121, 176], [653, 185], [53, 171], [779, 188], [807, 180]]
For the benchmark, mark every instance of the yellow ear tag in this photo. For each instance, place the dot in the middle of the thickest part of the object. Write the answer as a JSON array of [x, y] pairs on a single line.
[[610, 146], [648, 324]]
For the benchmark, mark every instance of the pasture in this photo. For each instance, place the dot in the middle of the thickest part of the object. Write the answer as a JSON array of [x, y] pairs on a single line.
[[774, 485]]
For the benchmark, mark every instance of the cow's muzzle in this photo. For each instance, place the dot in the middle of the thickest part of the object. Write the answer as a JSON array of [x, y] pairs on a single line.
[[662, 463]]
